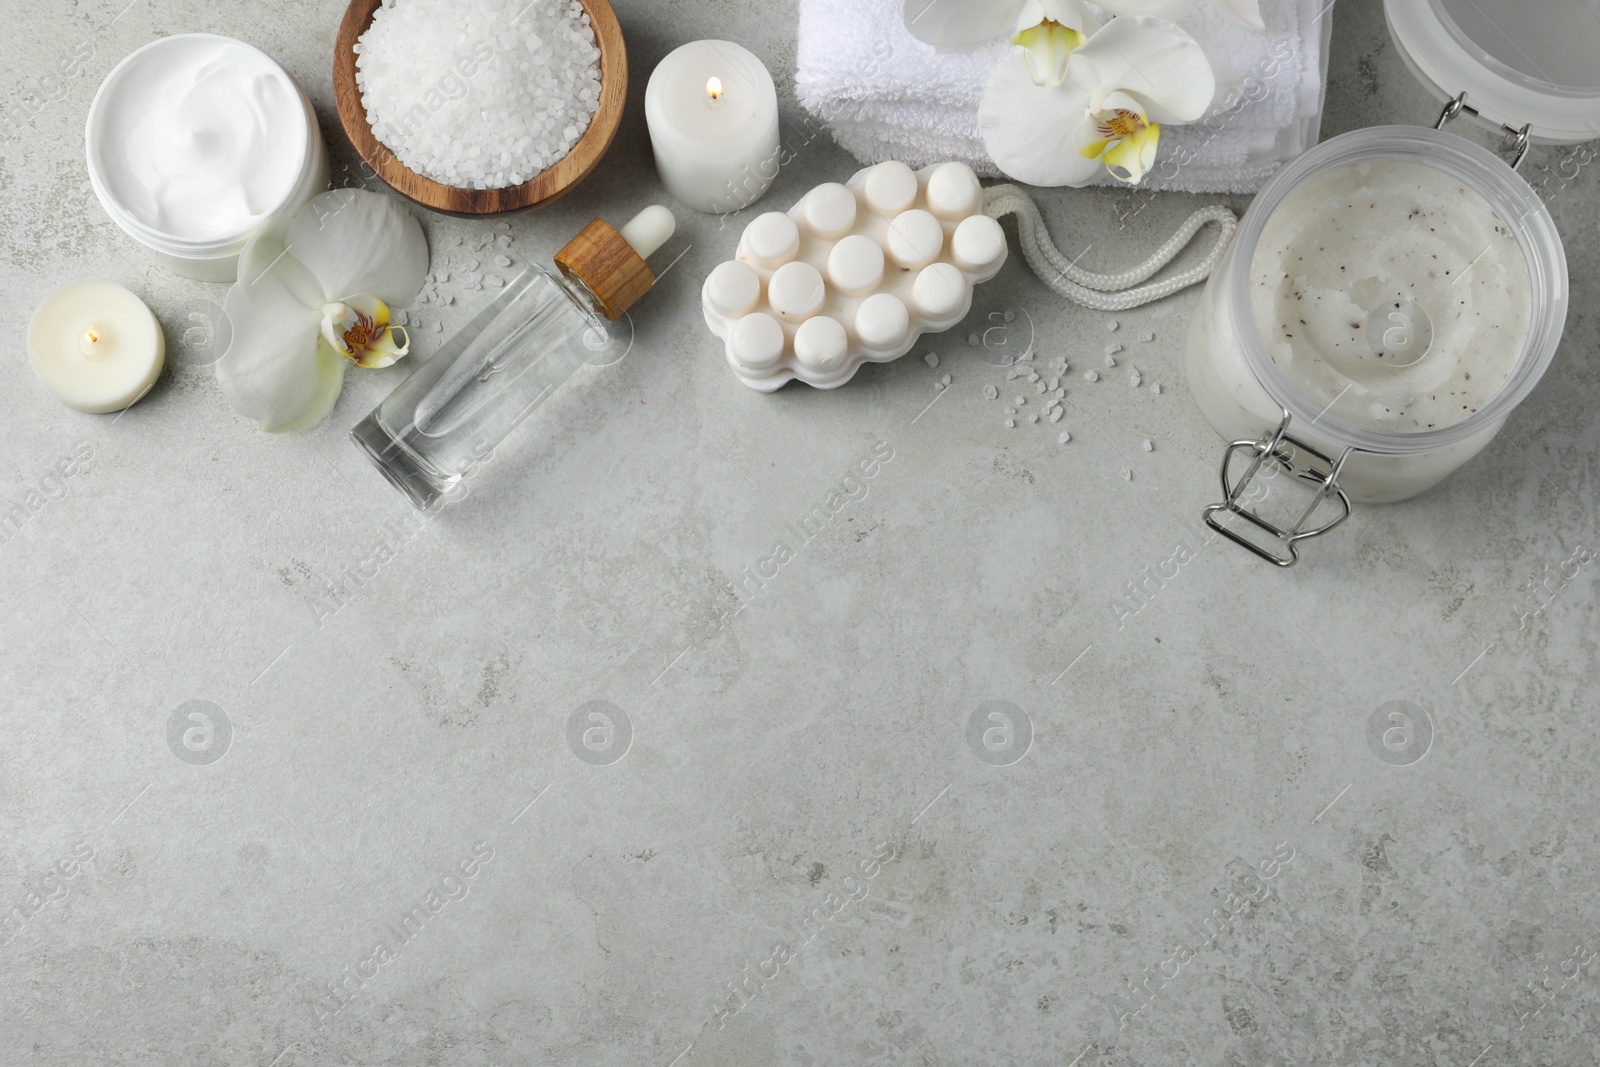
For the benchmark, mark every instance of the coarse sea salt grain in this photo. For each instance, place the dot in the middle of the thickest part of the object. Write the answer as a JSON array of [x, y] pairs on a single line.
[[485, 95]]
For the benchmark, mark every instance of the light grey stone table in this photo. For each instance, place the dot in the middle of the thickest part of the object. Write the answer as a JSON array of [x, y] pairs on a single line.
[[797, 838]]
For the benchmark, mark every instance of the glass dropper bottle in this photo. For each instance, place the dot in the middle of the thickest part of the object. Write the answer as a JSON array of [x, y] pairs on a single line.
[[458, 406]]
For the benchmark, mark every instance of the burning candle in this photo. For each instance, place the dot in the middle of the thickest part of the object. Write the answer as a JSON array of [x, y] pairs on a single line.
[[96, 346], [713, 117]]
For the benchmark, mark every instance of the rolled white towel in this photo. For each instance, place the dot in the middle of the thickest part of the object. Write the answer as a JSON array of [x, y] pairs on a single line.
[[886, 95]]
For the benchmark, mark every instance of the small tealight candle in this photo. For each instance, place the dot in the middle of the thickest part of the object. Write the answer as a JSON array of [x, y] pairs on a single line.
[[713, 117], [96, 346]]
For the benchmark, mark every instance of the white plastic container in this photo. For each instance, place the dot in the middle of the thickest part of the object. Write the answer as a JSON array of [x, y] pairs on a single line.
[[1266, 395], [193, 141]]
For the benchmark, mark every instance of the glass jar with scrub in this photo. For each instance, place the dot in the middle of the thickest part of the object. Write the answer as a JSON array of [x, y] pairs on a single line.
[[193, 141], [1393, 294]]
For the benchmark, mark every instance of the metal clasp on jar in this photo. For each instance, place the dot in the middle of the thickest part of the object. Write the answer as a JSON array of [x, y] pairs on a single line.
[[1517, 141], [1294, 457]]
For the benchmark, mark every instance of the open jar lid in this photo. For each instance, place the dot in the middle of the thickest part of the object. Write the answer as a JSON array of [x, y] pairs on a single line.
[[1520, 63]]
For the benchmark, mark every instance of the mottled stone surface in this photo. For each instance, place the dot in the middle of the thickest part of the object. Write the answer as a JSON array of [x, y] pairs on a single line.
[[801, 857]]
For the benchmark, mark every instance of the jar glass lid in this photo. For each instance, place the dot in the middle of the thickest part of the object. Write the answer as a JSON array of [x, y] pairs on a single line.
[[1519, 63]]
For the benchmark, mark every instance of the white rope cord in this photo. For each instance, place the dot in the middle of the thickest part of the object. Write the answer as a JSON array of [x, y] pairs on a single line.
[[1107, 292]]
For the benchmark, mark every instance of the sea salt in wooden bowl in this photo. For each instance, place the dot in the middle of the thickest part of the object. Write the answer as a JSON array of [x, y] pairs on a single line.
[[556, 181]]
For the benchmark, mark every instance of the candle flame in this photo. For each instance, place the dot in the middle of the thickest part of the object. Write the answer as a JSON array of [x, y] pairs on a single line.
[[89, 343], [714, 91]]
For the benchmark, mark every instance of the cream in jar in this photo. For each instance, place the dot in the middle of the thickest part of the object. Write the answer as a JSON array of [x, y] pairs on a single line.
[[194, 141], [1391, 294]]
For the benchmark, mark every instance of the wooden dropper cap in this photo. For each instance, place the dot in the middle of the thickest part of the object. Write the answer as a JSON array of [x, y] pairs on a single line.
[[611, 264]]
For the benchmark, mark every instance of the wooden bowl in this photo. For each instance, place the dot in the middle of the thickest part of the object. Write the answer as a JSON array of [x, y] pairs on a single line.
[[554, 183]]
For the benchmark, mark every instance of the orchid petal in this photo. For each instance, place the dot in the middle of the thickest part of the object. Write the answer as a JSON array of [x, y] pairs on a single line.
[[267, 251], [1172, 10], [1245, 11], [1047, 48], [1149, 59], [1069, 13], [1133, 155], [358, 328], [384, 350], [1027, 128], [355, 241], [1119, 101], [274, 370], [954, 25]]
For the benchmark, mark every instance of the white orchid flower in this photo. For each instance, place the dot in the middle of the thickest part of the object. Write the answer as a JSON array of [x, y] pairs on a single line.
[[1048, 30], [1129, 77], [313, 296], [1247, 12]]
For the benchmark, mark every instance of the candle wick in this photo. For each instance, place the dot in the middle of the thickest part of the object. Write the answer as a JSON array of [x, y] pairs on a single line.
[[89, 344]]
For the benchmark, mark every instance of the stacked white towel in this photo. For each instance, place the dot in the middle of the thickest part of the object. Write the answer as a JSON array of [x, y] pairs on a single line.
[[886, 95]]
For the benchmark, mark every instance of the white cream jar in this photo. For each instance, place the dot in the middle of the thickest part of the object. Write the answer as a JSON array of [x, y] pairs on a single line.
[[1265, 340], [1393, 294], [194, 141]]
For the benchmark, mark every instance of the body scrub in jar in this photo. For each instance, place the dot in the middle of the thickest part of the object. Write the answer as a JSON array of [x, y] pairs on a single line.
[[1391, 295], [194, 141], [1396, 292]]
